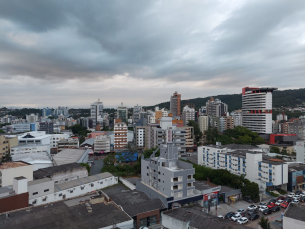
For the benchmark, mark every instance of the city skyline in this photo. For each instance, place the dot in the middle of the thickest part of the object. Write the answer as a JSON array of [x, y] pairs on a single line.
[[70, 53]]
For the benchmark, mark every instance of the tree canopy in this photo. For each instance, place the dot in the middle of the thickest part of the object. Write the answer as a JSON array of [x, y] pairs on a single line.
[[197, 132]]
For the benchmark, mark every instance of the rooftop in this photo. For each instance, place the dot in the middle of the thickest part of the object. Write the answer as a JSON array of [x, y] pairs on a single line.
[[89, 141], [135, 202], [81, 181], [61, 215], [34, 182], [296, 167], [29, 146], [67, 156], [202, 185], [68, 140], [199, 219], [272, 160], [48, 172], [238, 146], [12, 164], [295, 211]]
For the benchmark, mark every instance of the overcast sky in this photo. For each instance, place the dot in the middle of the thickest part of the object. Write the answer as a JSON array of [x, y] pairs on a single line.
[[70, 52]]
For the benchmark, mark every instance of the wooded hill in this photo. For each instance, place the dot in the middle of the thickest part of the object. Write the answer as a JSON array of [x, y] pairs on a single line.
[[286, 98]]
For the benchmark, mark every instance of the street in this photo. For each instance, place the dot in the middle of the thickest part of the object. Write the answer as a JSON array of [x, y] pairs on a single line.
[[96, 167]]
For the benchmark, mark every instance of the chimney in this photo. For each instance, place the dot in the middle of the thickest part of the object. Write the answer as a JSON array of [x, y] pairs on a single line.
[[20, 185]]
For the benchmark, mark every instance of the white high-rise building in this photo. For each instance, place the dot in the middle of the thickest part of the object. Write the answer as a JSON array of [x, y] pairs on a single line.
[[96, 112], [257, 109], [32, 118], [203, 122], [188, 114]]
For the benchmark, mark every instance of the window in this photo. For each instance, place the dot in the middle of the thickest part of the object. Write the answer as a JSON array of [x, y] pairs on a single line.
[[56, 182], [46, 190], [60, 194], [35, 193], [71, 191], [92, 185], [44, 199], [66, 179], [82, 188]]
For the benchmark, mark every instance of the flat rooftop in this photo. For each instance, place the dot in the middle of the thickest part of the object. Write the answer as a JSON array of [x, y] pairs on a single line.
[[73, 140], [272, 160], [296, 167], [81, 181], [61, 214], [12, 164], [296, 211], [199, 219], [67, 156], [29, 146], [48, 172], [239, 146], [202, 185], [34, 182]]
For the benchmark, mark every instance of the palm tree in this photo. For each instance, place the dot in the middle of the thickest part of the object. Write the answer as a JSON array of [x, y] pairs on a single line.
[[264, 223]]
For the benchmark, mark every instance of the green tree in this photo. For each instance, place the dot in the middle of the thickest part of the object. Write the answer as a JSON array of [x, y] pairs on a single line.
[[7, 157], [264, 223], [1, 131], [197, 132], [274, 149], [87, 166], [110, 159], [81, 139], [211, 135]]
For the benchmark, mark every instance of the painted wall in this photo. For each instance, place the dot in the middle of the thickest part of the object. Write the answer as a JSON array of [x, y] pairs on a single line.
[[9, 174]]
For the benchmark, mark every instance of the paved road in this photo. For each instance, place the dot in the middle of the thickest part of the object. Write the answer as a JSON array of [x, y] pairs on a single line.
[[96, 167]]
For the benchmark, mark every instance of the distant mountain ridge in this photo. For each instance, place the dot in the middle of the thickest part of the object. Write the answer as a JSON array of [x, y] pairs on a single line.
[[285, 98]]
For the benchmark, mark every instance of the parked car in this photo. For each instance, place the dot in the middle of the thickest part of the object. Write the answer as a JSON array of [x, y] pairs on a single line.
[[263, 208], [276, 209], [221, 216], [267, 212], [272, 201], [288, 200], [248, 199], [252, 206], [253, 217], [242, 220], [253, 211], [240, 211], [236, 217], [229, 215], [278, 203], [295, 202], [298, 192], [284, 205], [280, 198], [297, 196], [271, 205], [261, 204], [302, 199], [291, 194]]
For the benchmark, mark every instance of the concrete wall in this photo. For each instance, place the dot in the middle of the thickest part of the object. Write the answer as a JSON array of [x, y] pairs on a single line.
[[75, 191], [74, 174], [9, 174], [170, 222], [127, 183], [289, 223], [124, 225], [41, 189]]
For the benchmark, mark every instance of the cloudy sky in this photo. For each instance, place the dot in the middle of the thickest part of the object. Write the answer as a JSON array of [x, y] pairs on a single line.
[[70, 52]]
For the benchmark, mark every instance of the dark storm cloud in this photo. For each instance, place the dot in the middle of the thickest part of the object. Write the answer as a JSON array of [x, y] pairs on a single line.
[[177, 40]]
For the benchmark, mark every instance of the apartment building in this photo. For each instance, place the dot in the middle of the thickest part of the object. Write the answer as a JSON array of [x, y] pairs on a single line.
[[189, 136], [56, 138], [122, 113], [45, 112], [257, 167], [29, 149], [188, 114], [141, 137], [21, 127], [48, 127], [203, 122], [6, 143], [216, 108], [175, 104], [120, 135], [168, 178], [32, 118], [257, 109], [102, 144], [96, 112]]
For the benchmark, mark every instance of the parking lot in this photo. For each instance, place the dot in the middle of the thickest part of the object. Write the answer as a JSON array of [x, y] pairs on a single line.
[[274, 217]]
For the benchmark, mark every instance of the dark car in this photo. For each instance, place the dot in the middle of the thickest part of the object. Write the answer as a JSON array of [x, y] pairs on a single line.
[[276, 209], [267, 212], [280, 198], [253, 217], [248, 199], [288, 200], [302, 199], [229, 215], [253, 211], [298, 192], [272, 201]]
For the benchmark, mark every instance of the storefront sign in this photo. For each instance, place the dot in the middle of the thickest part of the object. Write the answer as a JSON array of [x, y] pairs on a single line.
[[209, 196]]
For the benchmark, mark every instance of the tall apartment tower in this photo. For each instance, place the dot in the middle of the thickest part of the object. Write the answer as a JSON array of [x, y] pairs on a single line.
[[216, 108], [96, 109], [122, 113], [175, 104], [188, 114], [257, 109], [203, 122], [120, 135]]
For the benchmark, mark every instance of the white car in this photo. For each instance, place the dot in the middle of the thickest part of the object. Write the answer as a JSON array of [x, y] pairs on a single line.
[[252, 207], [239, 211], [263, 208], [291, 194], [262, 204], [236, 217], [295, 202], [242, 220], [279, 202], [297, 196], [221, 216]]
